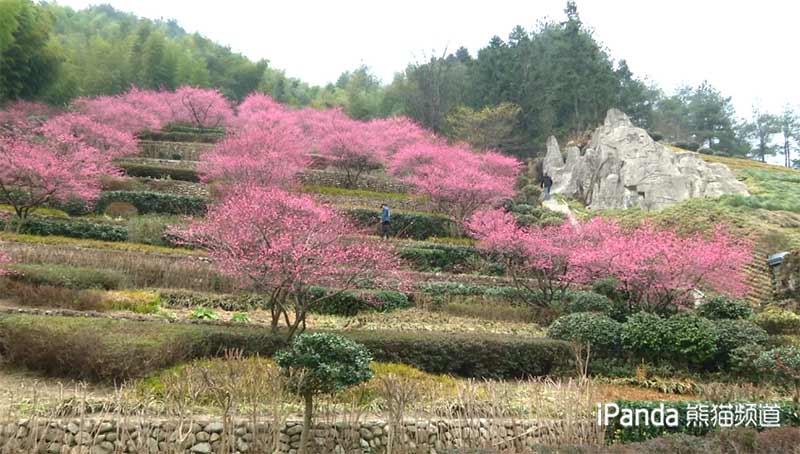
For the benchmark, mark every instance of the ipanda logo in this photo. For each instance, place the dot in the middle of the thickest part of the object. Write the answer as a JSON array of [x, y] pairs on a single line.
[[628, 417]]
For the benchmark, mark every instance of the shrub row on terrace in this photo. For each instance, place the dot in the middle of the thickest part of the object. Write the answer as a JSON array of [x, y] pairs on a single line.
[[108, 349]]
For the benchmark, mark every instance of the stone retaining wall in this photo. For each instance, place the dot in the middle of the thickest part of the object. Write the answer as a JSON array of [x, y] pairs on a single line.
[[137, 435]]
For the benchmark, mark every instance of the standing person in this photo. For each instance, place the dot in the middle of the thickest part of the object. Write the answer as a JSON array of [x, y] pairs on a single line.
[[547, 183], [385, 221]]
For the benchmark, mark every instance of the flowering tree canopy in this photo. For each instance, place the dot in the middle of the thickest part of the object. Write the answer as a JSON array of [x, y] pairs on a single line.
[[284, 243], [23, 118], [33, 174], [254, 105], [4, 261], [200, 107], [117, 112], [270, 150], [656, 267], [457, 180], [74, 130]]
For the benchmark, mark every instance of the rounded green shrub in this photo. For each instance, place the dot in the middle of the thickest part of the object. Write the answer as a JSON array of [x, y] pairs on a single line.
[[778, 321], [644, 334], [721, 307], [690, 339], [600, 331], [733, 334], [589, 302]]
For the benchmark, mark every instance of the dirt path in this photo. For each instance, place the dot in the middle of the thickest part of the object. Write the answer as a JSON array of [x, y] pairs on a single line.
[[561, 207]]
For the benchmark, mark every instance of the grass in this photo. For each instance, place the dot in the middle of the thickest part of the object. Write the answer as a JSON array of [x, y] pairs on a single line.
[[44, 211]]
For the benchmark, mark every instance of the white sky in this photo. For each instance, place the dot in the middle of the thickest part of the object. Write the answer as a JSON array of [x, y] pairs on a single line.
[[743, 48]]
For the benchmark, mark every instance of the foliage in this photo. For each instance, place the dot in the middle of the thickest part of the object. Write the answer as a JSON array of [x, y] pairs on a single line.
[[418, 226], [151, 230], [690, 339], [137, 169], [733, 334], [720, 307], [70, 277], [241, 317], [352, 302], [645, 335], [154, 202], [775, 320], [439, 257], [490, 128], [283, 244], [204, 313], [73, 228], [597, 330], [589, 302], [226, 302], [783, 363]]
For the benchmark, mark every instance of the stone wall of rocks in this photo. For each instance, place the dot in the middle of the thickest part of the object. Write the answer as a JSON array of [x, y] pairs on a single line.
[[137, 435]]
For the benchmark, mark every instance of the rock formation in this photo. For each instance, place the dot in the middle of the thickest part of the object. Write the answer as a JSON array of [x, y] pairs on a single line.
[[622, 167]]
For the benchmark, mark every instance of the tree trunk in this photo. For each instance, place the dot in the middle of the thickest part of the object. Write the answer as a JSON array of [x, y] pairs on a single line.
[[306, 422]]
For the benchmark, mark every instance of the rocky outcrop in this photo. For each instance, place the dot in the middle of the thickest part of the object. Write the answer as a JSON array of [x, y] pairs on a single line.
[[787, 276], [622, 167]]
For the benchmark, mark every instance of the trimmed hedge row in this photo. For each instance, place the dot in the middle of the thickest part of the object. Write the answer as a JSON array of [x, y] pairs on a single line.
[[346, 303], [69, 277], [418, 226], [434, 257], [182, 135], [109, 349], [154, 202], [161, 172], [616, 433], [73, 228]]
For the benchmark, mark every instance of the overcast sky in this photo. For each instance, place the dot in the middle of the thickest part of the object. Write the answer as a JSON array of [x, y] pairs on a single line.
[[744, 48]]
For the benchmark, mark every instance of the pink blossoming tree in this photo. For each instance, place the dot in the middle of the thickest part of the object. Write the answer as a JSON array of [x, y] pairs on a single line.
[[269, 151], [200, 107], [458, 181], [283, 244], [116, 112], [656, 267], [34, 174], [74, 130]]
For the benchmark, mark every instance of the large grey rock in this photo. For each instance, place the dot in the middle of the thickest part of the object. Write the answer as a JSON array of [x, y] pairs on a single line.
[[622, 167]]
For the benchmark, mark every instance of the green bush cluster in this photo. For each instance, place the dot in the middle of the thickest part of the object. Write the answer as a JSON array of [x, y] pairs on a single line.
[[721, 307], [418, 226], [150, 229], [154, 202], [778, 321], [228, 302], [73, 228], [109, 349], [352, 302], [199, 136], [136, 169], [462, 289], [582, 301], [535, 215], [69, 277], [616, 433], [445, 257], [599, 331]]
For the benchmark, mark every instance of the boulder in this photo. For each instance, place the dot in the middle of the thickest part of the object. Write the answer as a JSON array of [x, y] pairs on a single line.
[[623, 167]]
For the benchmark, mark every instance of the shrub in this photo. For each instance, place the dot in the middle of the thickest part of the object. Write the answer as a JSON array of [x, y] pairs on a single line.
[[733, 334], [439, 257], [69, 276], [227, 302], [351, 302], [645, 334], [778, 321], [721, 307], [161, 172], [115, 349], [418, 226], [149, 229], [783, 363], [690, 339], [599, 331], [589, 302], [155, 202], [73, 228]]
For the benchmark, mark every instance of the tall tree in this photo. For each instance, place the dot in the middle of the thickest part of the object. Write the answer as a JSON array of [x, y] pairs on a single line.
[[789, 126], [761, 128]]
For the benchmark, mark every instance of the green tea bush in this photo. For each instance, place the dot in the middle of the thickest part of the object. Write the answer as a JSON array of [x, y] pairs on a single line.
[[349, 303], [69, 276], [733, 334], [418, 226], [150, 229], [645, 335], [73, 228], [690, 339], [440, 257], [188, 299], [721, 307], [600, 331], [154, 202], [589, 302], [162, 172], [778, 321]]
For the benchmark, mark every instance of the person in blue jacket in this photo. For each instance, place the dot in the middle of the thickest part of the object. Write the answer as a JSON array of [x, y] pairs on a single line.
[[385, 221]]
